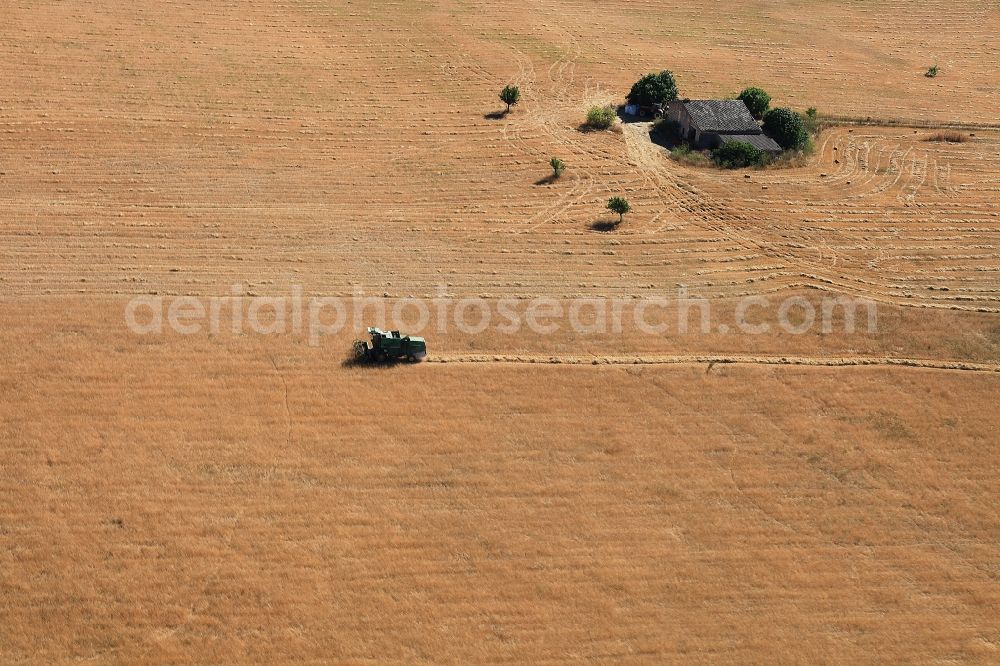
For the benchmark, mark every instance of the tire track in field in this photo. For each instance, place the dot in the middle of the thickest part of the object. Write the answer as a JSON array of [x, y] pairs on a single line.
[[713, 359], [716, 214], [512, 130], [561, 78]]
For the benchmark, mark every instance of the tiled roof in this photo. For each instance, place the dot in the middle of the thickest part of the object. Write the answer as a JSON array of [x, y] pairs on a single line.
[[729, 116], [758, 141]]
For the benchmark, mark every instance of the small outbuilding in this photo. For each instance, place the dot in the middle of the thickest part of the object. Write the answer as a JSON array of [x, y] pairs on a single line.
[[709, 123]]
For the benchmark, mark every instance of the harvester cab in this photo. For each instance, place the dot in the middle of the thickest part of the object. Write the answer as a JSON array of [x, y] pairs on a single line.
[[390, 346]]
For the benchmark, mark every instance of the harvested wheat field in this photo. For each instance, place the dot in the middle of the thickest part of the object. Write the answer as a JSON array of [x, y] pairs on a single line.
[[819, 489]]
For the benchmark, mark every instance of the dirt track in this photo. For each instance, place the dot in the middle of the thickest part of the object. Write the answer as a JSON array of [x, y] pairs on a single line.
[[816, 361]]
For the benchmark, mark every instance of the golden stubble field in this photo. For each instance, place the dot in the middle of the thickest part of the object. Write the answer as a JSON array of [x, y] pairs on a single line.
[[774, 498]]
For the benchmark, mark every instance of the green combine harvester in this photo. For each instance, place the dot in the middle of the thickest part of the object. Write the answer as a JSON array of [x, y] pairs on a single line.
[[389, 347]]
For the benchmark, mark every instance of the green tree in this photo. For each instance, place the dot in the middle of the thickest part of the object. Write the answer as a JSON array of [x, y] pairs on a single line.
[[620, 206], [738, 155], [786, 128], [558, 166], [811, 121], [653, 89], [510, 95], [756, 100]]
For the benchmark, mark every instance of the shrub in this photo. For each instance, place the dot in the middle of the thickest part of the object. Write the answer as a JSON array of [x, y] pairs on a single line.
[[685, 155], [666, 131], [931, 72], [756, 100], [653, 90], [738, 155], [510, 95], [949, 136], [558, 166], [786, 128], [601, 117], [619, 205], [792, 159]]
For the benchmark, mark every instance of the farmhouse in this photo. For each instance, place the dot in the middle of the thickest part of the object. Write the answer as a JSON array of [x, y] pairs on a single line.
[[709, 123]]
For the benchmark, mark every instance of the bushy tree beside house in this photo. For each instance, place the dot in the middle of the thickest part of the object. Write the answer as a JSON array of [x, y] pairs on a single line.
[[757, 100], [653, 90], [786, 128]]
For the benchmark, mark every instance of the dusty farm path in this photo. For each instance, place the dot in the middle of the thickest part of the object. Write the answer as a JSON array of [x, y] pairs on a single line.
[[711, 359]]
